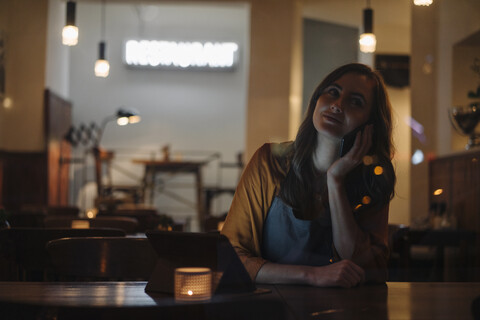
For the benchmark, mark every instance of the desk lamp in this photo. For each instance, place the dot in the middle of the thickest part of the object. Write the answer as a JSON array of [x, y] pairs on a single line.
[[123, 117]]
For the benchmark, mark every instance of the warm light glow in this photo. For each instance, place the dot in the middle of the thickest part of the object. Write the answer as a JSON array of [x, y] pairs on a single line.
[[193, 284], [181, 54], [367, 160], [7, 103], [80, 224], [70, 35], [92, 213], [437, 192], [102, 68], [134, 119], [366, 200], [368, 42], [122, 121], [378, 170], [422, 2], [358, 207]]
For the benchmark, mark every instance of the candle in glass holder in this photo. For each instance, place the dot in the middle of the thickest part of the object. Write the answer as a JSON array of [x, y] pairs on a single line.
[[193, 284]]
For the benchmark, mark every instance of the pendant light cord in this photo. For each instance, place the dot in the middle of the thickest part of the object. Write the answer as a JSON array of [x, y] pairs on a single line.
[[103, 21]]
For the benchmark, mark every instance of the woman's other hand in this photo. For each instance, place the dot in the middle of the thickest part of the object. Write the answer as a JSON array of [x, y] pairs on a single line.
[[344, 273]]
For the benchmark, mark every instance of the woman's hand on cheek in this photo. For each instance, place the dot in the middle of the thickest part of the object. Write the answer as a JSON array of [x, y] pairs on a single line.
[[344, 273], [342, 166]]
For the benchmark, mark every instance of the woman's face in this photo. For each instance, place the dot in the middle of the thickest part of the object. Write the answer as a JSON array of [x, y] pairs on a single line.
[[344, 105]]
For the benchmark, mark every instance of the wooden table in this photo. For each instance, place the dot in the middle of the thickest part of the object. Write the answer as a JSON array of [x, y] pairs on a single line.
[[123, 300], [153, 167], [395, 300]]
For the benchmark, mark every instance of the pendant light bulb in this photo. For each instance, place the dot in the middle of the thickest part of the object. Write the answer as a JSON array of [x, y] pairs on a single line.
[[367, 41], [102, 67], [422, 2], [70, 31]]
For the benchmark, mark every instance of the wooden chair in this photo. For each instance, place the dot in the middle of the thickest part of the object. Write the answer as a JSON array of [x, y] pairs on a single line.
[[214, 223], [127, 224], [110, 195], [25, 219], [70, 211], [24, 248], [33, 216], [102, 258], [211, 192], [148, 218], [398, 262]]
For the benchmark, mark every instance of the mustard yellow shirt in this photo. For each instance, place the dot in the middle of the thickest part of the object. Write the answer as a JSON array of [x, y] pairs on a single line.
[[259, 184]]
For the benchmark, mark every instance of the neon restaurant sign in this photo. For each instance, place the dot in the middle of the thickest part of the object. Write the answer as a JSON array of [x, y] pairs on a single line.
[[181, 55]]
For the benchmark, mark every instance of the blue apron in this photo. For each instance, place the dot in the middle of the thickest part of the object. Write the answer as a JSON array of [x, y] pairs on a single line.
[[288, 240]]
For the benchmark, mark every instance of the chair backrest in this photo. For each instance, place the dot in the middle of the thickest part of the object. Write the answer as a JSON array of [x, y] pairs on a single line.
[[102, 258], [127, 224], [33, 216], [148, 218], [23, 219], [65, 211], [25, 248]]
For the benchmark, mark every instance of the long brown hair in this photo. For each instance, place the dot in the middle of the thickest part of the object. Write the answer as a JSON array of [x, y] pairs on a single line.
[[298, 187]]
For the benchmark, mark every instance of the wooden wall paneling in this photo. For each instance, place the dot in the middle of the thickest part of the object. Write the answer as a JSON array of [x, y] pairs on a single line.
[[1, 179], [459, 203], [24, 179], [459, 176], [37, 178], [58, 114]]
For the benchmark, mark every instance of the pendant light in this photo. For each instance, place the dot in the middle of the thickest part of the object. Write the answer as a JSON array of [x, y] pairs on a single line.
[[422, 2], [367, 41], [102, 67], [70, 31]]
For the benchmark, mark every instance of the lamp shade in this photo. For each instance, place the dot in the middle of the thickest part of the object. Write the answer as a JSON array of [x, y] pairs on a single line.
[[193, 284], [126, 116]]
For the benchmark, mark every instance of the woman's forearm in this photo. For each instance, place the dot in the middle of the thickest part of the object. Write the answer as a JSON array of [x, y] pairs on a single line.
[[344, 273], [274, 273], [364, 246], [344, 227]]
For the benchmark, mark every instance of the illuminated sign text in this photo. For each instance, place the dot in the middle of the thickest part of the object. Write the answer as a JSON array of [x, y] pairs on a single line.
[[208, 55]]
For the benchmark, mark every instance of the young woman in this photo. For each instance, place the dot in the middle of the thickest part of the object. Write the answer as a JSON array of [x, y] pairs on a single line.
[[304, 214]]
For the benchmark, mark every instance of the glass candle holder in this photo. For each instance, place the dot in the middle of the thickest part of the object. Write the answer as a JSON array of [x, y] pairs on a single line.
[[193, 284]]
